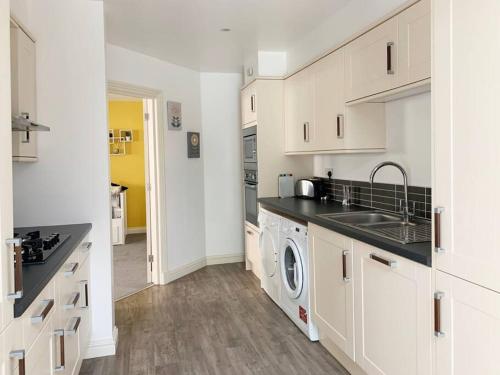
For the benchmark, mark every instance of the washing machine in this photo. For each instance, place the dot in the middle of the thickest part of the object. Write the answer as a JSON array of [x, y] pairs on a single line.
[[294, 266], [269, 225]]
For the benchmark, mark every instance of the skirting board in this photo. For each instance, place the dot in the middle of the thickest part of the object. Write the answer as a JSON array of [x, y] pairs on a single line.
[[136, 230], [103, 347], [179, 272]]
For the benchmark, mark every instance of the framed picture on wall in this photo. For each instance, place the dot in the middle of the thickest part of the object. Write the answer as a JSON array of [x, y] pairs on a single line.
[[174, 115]]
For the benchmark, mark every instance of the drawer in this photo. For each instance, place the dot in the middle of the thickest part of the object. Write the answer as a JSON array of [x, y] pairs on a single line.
[[84, 306], [84, 249], [38, 313], [12, 342], [39, 359]]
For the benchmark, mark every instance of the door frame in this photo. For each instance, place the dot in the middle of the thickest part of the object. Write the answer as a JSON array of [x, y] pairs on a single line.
[[155, 172]]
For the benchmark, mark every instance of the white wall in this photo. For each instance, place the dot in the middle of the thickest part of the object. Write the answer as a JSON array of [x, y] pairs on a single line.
[[353, 17], [184, 177], [70, 183], [408, 143], [220, 106]]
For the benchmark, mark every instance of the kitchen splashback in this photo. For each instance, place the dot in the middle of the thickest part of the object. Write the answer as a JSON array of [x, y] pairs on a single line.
[[382, 196]]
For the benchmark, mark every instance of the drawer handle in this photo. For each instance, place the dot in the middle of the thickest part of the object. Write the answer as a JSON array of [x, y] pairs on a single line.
[[438, 296], [250, 233], [389, 57], [385, 262], [60, 334], [49, 303], [18, 269], [344, 266], [86, 247], [73, 301], [20, 355], [86, 291], [71, 271], [75, 324], [437, 229]]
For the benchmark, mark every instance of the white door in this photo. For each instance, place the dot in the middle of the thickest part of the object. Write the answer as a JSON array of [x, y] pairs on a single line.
[[329, 102], [392, 307], [414, 29], [292, 269], [249, 104], [465, 88], [371, 62], [299, 112], [149, 164], [468, 320], [269, 252], [331, 288], [6, 210]]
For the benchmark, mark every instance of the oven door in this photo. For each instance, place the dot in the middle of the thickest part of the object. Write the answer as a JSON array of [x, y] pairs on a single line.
[[250, 149], [251, 203]]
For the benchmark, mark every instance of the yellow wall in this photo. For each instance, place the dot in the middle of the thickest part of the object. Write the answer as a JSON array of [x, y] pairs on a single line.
[[128, 170]]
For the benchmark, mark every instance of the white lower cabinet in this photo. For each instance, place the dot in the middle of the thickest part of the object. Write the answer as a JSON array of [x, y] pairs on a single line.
[[467, 326], [253, 258], [393, 311], [330, 259]]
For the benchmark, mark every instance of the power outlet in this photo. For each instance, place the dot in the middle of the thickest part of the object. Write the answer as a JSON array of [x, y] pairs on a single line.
[[329, 172]]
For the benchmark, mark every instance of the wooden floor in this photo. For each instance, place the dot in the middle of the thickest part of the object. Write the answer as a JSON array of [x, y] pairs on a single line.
[[215, 321]]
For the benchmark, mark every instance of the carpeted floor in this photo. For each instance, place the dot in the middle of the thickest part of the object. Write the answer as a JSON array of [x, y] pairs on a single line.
[[130, 272]]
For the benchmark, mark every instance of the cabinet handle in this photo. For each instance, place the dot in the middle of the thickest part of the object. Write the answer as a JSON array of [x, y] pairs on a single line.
[[306, 131], [340, 126], [438, 296], [385, 262], [73, 301], [389, 57], [249, 233], [437, 229], [60, 334], [49, 303], [86, 247], [252, 103], [20, 355], [344, 266], [86, 290], [76, 323], [18, 269], [72, 270]]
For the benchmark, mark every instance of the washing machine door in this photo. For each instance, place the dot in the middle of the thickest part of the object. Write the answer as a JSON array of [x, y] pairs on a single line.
[[292, 270], [269, 252]]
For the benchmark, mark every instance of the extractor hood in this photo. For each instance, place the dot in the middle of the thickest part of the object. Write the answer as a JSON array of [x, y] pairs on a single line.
[[22, 124]]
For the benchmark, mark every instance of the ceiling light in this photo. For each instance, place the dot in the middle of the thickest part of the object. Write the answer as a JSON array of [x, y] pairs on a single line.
[[225, 29]]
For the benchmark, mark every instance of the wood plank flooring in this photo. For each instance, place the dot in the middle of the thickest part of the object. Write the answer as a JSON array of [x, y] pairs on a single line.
[[215, 321]]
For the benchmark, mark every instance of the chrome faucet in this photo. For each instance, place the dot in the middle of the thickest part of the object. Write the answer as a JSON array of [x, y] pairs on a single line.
[[405, 210]]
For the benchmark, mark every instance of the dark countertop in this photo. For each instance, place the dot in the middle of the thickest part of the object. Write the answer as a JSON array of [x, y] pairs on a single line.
[[36, 277], [307, 211]]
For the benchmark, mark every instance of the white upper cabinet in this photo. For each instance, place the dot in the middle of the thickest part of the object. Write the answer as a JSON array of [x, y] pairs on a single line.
[[465, 142], [414, 28], [393, 54], [372, 62], [330, 259], [23, 92], [299, 112], [249, 104], [468, 326], [392, 307]]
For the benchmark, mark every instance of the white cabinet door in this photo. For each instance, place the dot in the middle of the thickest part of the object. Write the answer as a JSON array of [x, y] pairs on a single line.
[[299, 112], [469, 320], [252, 249], [40, 359], [23, 88], [6, 210], [392, 310], [329, 102], [330, 259], [466, 132], [414, 29], [249, 104], [371, 62]]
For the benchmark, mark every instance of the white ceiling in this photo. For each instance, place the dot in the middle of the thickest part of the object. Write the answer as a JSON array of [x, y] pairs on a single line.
[[187, 32]]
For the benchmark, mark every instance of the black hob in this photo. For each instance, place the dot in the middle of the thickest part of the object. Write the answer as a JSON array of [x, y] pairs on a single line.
[[37, 248]]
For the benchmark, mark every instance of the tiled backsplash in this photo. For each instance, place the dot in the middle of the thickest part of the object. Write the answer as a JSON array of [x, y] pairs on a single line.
[[382, 196]]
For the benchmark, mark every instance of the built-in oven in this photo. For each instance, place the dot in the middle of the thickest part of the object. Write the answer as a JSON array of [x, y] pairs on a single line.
[[251, 206], [250, 145]]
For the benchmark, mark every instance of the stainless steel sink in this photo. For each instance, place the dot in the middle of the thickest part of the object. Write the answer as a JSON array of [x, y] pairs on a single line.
[[387, 225]]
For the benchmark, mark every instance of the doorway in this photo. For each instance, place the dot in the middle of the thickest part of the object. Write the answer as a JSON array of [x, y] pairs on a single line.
[[133, 152]]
